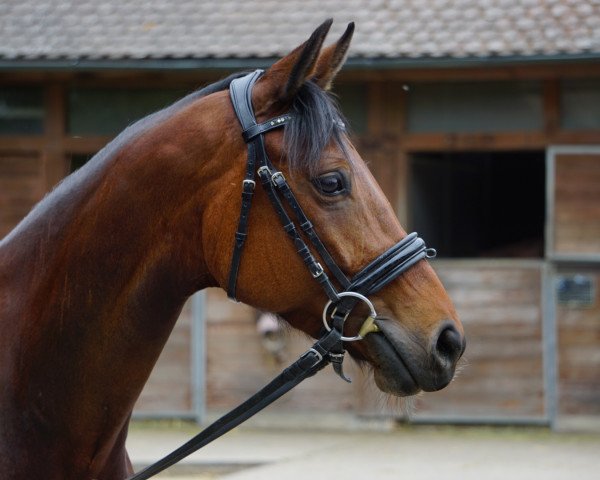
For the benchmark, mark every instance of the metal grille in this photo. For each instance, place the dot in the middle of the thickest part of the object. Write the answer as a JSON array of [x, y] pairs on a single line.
[[576, 290]]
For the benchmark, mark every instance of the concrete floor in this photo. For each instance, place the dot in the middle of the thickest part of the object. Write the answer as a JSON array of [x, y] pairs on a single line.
[[415, 452]]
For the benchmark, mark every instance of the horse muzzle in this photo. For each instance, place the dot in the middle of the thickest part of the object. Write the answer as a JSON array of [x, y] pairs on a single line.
[[404, 365]]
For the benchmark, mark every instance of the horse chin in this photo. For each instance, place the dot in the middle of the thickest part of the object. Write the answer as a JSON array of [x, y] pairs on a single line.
[[391, 373]]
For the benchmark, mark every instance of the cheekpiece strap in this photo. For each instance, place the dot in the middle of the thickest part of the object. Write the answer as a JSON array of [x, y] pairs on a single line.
[[240, 91]]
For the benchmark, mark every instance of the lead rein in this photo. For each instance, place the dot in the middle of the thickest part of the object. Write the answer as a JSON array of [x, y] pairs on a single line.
[[310, 362]]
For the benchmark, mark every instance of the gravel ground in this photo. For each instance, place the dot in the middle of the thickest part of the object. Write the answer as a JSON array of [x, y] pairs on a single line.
[[415, 452]]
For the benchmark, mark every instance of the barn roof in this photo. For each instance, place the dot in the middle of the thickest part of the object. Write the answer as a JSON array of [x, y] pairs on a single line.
[[251, 29]]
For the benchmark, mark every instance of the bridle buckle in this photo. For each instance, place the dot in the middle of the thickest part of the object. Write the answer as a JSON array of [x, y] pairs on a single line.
[[319, 271], [319, 357], [263, 169], [278, 179], [249, 183]]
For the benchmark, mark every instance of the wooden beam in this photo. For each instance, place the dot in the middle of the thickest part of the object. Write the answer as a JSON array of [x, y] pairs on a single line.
[[375, 109], [489, 73], [452, 142], [401, 182], [115, 78], [37, 78], [581, 137], [385, 124], [53, 155], [551, 105], [25, 143], [386, 108]]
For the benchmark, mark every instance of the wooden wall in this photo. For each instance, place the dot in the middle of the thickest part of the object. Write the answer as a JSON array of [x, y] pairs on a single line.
[[576, 220], [500, 303], [237, 364], [501, 377], [578, 353], [502, 372], [575, 226], [169, 390]]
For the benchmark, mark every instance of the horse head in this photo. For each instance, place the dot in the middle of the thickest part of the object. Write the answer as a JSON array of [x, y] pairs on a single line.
[[419, 337]]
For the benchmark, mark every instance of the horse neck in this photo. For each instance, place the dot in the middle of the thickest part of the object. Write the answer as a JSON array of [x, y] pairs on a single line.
[[96, 277]]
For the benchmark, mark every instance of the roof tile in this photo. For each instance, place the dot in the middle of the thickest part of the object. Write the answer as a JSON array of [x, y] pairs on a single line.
[[47, 29]]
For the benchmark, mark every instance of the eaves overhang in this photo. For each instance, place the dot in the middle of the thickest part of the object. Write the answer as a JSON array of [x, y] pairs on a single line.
[[228, 64]]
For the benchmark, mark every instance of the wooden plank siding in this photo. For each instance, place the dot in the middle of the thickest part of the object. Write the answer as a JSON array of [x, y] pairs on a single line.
[[501, 376], [577, 204], [578, 332], [237, 365], [169, 388]]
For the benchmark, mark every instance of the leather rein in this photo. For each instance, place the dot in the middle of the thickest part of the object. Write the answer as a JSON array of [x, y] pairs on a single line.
[[372, 278]]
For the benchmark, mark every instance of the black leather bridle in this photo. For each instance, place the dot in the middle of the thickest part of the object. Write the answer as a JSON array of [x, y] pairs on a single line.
[[372, 278]]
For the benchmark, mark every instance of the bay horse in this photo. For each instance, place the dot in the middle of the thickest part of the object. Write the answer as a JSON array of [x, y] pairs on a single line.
[[94, 278]]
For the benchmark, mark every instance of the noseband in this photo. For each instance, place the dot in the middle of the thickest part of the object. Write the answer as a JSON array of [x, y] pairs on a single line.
[[372, 278]]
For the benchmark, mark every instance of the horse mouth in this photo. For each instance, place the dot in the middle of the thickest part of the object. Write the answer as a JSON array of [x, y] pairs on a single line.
[[391, 369]]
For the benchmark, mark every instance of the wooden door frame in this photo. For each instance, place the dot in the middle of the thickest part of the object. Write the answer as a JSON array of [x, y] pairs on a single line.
[[553, 265]]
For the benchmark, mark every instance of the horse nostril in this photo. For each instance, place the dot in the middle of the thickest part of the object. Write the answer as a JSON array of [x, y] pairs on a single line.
[[450, 344]]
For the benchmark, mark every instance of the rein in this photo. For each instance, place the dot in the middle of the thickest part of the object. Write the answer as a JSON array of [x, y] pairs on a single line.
[[306, 366], [372, 278]]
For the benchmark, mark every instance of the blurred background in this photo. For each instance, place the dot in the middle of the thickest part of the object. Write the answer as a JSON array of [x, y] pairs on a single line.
[[480, 119]]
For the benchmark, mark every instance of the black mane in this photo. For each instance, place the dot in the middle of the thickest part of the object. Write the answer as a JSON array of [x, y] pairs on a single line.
[[316, 122]]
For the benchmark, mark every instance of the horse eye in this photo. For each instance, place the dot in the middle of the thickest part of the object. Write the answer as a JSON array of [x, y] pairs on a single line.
[[332, 183]]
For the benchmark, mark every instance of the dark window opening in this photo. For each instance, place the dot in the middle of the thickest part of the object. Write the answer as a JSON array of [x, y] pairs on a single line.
[[108, 111], [21, 111], [475, 107], [479, 204]]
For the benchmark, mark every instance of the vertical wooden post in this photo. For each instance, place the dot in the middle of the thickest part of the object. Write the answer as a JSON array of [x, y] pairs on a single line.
[[53, 154], [402, 159], [386, 128], [551, 102]]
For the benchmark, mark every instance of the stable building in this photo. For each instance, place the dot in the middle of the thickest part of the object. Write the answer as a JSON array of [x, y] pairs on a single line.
[[480, 119]]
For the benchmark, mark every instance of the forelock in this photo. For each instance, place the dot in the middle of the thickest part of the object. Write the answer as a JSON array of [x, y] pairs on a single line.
[[316, 122]]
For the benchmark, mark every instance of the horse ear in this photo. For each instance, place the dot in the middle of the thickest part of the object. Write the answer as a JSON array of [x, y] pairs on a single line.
[[332, 59], [284, 78]]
